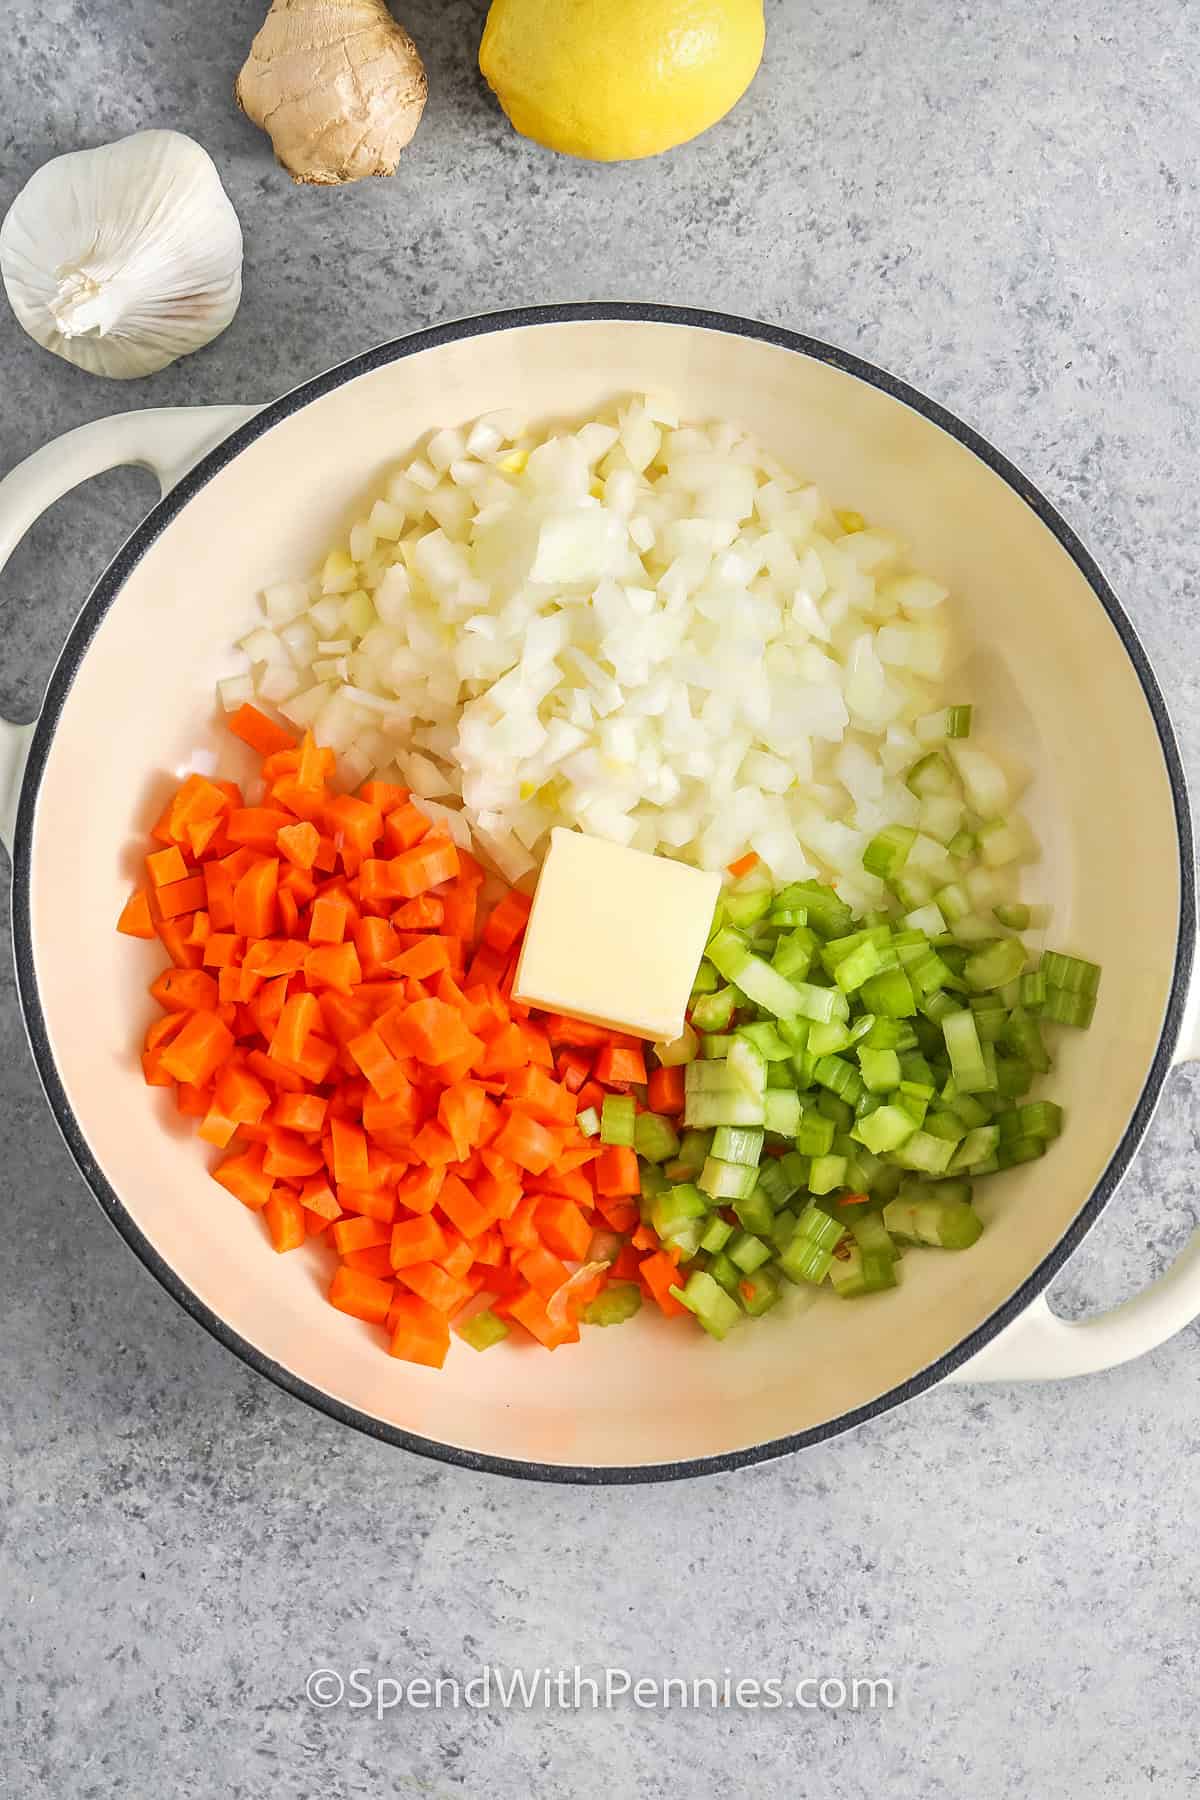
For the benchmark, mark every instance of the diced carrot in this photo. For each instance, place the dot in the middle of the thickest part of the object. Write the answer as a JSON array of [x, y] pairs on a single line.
[[423, 960], [377, 944], [618, 1215], [254, 899], [300, 1016], [420, 1333], [360, 1233], [661, 1275], [507, 921], [350, 1164], [743, 865], [425, 866], [542, 1270], [384, 796], [217, 1128], [222, 950], [433, 1284], [573, 1069], [461, 1111], [261, 733], [180, 897], [419, 1191], [165, 867], [329, 919], [333, 966], [361, 1296], [563, 1228], [368, 1203], [534, 1092], [426, 913], [299, 1112], [529, 1144], [615, 1064], [462, 1208], [135, 920], [416, 1241], [375, 1262], [354, 822], [299, 843], [285, 1220], [288, 1157], [384, 1071], [404, 827], [617, 1171], [199, 1050], [529, 1310], [241, 1096], [316, 1196], [244, 1177], [504, 1052], [665, 1091]]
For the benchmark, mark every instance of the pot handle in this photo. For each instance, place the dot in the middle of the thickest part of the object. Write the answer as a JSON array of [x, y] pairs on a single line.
[[1039, 1346], [167, 440]]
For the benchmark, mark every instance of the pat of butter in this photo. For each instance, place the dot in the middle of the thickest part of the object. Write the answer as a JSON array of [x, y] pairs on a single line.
[[615, 936]]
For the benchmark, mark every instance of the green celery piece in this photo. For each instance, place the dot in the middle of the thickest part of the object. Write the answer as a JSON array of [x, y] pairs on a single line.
[[755, 1213], [781, 1111], [619, 1301], [1071, 974], [617, 1118], [826, 1174], [716, 1235], [713, 1012], [855, 1272], [712, 1306], [724, 1272], [747, 1066], [759, 1292], [655, 1137], [706, 981], [743, 910], [483, 1329], [889, 995], [995, 965], [884, 1130], [766, 1040], [747, 1252], [816, 1134], [737, 1144], [726, 1181], [940, 1224], [927, 1155], [880, 1069]]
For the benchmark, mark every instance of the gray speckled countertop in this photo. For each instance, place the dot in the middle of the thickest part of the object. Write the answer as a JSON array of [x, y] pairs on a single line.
[[998, 203]]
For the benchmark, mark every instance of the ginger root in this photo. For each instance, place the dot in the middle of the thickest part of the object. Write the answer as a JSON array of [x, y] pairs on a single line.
[[337, 85]]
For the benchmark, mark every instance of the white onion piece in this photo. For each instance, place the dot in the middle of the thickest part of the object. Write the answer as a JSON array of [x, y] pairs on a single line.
[[650, 631]]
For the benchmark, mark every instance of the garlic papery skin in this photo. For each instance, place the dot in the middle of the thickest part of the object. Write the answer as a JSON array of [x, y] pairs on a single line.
[[124, 258]]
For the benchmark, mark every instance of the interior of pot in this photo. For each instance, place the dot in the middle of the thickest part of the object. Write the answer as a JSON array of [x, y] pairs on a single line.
[[1050, 680]]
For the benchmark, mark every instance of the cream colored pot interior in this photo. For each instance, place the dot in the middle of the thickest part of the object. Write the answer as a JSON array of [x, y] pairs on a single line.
[[1051, 682]]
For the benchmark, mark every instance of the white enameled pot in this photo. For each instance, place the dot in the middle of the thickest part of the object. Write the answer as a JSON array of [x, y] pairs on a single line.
[[253, 496]]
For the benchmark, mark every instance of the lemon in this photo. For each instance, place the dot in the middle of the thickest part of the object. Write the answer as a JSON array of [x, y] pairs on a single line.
[[613, 80]]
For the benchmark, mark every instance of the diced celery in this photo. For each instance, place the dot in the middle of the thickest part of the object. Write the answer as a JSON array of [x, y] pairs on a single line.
[[880, 1069], [588, 1122], [742, 909], [713, 1012], [781, 1111], [617, 1119], [759, 1292], [716, 1235], [655, 1137], [726, 1181], [619, 1301], [889, 995], [942, 1224], [854, 1272], [826, 1174], [766, 1040], [483, 1329], [737, 1144], [884, 1130], [748, 1253], [713, 1307], [755, 1212]]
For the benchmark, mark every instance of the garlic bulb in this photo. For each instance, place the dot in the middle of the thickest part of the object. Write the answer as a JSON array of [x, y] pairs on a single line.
[[124, 258]]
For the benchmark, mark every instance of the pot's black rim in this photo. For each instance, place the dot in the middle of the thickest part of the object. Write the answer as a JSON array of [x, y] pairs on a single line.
[[118, 573]]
